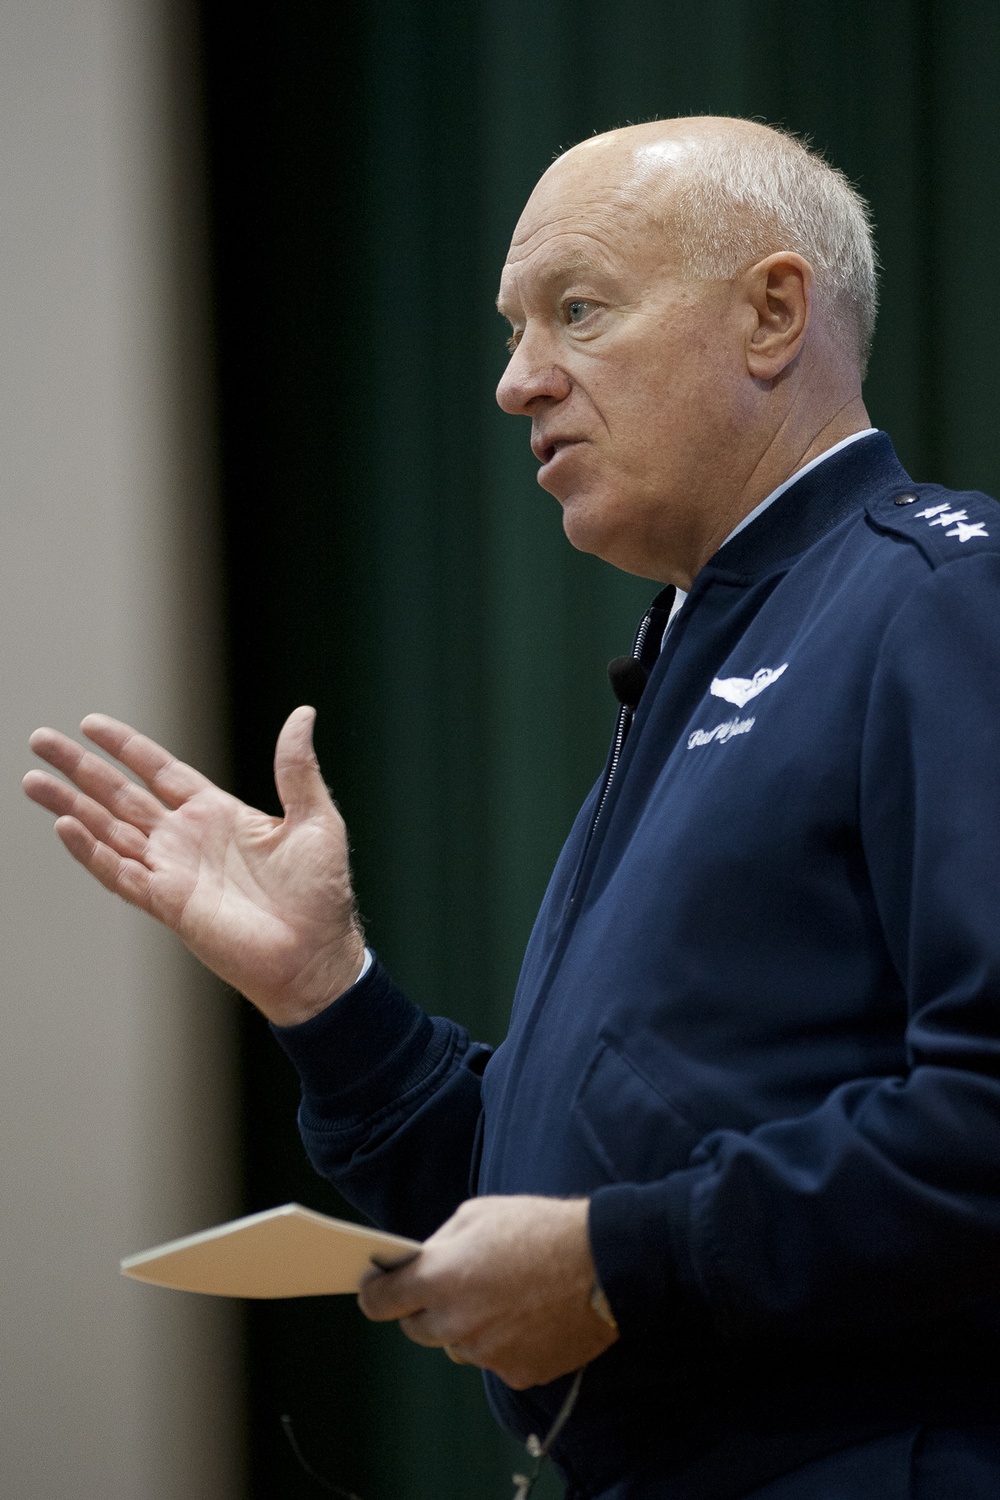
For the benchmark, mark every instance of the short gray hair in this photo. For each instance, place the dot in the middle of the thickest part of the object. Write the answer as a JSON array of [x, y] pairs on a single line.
[[749, 195]]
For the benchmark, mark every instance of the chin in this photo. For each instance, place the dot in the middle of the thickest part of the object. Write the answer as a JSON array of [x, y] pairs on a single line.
[[586, 523], [590, 528], [584, 535]]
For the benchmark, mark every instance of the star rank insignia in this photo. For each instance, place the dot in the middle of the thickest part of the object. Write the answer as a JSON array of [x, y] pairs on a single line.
[[958, 520]]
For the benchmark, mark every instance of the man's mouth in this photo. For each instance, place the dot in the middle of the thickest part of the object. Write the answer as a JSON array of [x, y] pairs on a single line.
[[546, 452]]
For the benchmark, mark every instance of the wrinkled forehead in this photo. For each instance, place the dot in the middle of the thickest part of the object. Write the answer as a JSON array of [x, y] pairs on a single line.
[[596, 244], [574, 191], [617, 195]]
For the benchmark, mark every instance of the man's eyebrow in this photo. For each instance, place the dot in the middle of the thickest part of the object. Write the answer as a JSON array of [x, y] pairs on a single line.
[[561, 267]]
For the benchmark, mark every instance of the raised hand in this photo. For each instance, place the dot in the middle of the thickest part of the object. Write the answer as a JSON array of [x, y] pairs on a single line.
[[266, 903]]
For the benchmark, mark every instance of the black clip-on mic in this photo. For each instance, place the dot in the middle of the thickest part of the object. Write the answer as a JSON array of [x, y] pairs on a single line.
[[628, 677]]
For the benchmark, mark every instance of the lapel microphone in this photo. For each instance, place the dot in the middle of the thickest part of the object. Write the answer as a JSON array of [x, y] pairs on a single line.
[[628, 677]]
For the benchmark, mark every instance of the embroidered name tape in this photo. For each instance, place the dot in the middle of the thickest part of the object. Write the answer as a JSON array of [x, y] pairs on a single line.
[[721, 733]]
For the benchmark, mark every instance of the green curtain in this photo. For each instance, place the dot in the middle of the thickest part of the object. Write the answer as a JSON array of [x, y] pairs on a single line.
[[390, 558]]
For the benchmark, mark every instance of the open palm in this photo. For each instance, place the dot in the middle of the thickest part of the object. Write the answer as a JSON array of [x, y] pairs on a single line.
[[265, 902]]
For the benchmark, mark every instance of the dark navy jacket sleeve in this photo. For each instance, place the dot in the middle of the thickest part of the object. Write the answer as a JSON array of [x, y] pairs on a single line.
[[880, 1206], [390, 1103]]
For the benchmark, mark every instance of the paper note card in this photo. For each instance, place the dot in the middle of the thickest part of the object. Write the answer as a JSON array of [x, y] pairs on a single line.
[[284, 1252]]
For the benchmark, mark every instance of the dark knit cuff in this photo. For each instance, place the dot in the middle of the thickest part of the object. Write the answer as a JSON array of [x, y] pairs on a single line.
[[640, 1238], [372, 1033]]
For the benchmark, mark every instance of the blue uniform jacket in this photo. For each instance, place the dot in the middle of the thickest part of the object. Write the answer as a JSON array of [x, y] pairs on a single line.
[[758, 1020]]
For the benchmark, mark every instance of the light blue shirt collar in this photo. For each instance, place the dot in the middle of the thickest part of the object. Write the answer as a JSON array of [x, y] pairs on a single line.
[[775, 494], [813, 463]]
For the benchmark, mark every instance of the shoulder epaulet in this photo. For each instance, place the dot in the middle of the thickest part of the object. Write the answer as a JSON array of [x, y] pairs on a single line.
[[943, 523]]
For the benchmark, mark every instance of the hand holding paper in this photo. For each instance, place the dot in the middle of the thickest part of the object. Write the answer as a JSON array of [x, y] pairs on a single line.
[[506, 1284]]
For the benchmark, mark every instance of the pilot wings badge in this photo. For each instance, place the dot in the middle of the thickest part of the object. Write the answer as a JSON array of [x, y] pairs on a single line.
[[740, 690]]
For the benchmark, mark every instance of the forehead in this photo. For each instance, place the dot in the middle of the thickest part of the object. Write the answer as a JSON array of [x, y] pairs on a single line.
[[573, 225], [564, 253]]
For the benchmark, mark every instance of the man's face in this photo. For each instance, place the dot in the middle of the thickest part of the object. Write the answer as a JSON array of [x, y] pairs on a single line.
[[631, 376]]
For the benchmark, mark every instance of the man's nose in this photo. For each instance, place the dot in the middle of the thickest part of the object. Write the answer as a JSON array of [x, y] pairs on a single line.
[[530, 377]]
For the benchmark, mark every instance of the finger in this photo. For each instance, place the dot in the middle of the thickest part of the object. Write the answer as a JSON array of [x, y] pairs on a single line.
[[169, 778], [97, 779], [384, 1298], [125, 877], [422, 1329], [296, 770], [61, 798], [380, 1266]]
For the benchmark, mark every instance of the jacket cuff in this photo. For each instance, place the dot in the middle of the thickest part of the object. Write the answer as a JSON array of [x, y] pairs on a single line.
[[640, 1239], [372, 1029]]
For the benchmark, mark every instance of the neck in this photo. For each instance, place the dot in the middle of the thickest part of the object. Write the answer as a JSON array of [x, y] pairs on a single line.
[[795, 444]]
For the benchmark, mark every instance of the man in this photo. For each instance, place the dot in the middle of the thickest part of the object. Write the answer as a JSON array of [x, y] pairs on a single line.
[[738, 1157]]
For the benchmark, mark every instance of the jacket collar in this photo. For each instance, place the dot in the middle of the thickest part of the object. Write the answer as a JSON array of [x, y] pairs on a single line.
[[812, 506]]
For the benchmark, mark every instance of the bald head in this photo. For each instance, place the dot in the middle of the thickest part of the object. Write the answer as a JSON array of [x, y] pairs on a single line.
[[727, 192], [687, 302]]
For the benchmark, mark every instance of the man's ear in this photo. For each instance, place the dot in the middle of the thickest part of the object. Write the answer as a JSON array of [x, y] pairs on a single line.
[[779, 290]]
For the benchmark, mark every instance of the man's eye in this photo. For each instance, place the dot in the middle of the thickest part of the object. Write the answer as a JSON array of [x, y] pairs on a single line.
[[577, 310], [513, 339]]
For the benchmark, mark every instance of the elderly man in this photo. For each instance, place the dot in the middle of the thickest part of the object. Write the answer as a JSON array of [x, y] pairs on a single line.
[[738, 1159]]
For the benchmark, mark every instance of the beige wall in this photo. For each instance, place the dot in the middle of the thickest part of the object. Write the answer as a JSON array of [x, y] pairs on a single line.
[[116, 1087]]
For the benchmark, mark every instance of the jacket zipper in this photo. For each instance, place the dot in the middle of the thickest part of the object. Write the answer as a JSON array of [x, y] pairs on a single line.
[[625, 716]]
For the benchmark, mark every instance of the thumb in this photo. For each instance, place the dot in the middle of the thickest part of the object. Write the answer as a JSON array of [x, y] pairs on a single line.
[[296, 770]]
